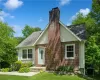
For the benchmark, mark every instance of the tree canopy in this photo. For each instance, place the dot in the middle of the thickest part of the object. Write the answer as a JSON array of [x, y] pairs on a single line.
[[92, 22], [29, 30], [7, 43]]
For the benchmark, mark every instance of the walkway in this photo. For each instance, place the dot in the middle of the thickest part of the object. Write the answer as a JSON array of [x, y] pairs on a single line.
[[19, 74]]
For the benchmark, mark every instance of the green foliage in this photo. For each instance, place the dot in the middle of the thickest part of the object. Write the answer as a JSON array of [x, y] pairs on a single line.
[[19, 39], [24, 65], [41, 71], [4, 64], [28, 64], [7, 44], [70, 69], [29, 30], [93, 53], [95, 12], [89, 22], [80, 18], [24, 70], [92, 21], [10, 70], [64, 69], [43, 76], [17, 65], [5, 70]]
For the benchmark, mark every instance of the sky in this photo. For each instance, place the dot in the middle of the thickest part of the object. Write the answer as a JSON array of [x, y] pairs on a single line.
[[35, 13]]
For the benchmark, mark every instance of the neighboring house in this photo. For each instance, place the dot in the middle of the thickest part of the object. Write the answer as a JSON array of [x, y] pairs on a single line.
[[64, 43]]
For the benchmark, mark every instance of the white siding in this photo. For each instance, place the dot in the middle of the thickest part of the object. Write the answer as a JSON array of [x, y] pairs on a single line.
[[19, 51], [66, 35], [44, 38], [82, 55]]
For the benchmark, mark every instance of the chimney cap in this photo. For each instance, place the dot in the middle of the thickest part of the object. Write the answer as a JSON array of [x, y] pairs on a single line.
[[55, 8]]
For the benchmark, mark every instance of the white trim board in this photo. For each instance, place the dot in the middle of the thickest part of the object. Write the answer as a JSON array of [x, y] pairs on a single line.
[[66, 51]]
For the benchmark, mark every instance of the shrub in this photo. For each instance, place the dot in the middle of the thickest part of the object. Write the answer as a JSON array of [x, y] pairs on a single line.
[[28, 64], [17, 65], [10, 69], [24, 70], [64, 69], [5, 70], [70, 68], [41, 71], [4, 64], [24, 65]]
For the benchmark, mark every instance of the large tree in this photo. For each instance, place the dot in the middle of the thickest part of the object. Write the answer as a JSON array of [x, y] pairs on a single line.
[[7, 44], [95, 12], [28, 30], [92, 54]]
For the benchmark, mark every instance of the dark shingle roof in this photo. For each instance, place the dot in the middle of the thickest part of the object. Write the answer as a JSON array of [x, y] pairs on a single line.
[[79, 30], [29, 41]]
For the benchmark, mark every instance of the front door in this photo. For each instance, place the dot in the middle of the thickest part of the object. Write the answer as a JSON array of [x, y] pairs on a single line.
[[41, 56]]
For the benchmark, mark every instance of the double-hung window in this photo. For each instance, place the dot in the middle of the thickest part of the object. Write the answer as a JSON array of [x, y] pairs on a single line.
[[69, 51], [24, 54], [27, 54]]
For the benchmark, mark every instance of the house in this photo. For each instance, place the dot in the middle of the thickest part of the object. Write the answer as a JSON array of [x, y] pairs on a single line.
[[56, 45]]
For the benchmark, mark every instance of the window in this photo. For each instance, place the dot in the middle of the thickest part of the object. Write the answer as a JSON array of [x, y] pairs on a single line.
[[41, 54], [69, 51], [27, 54], [24, 54]]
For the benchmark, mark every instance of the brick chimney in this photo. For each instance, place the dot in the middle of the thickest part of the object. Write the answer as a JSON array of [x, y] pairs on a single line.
[[53, 56], [54, 15]]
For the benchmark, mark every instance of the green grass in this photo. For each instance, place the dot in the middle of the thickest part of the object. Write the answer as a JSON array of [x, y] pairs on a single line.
[[41, 76]]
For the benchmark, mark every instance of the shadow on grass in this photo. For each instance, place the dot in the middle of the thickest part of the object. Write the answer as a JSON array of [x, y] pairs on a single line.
[[96, 77]]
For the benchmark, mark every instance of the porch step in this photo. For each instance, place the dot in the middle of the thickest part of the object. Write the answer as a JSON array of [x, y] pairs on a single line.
[[37, 69]]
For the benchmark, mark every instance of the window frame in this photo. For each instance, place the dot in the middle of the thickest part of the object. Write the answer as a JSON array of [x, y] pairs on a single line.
[[67, 51], [27, 55]]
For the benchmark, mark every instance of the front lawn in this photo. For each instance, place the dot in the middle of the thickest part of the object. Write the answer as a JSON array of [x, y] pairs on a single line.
[[41, 76]]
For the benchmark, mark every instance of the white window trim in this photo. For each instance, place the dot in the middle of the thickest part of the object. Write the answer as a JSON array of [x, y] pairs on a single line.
[[66, 51], [27, 54]]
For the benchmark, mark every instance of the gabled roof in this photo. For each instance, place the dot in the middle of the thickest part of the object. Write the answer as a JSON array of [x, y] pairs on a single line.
[[30, 40], [79, 30], [76, 30]]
